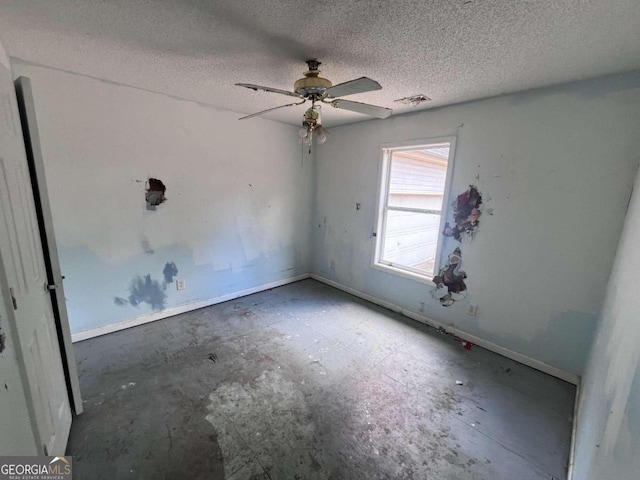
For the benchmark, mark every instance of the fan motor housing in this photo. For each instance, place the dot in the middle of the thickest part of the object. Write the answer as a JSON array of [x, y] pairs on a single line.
[[311, 84]]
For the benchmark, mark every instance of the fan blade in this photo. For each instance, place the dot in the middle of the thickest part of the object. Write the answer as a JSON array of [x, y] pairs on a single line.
[[267, 89], [271, 109], [359, 85], [372, 110]]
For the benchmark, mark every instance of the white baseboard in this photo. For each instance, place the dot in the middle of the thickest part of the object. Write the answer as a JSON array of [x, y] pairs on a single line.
[[574, 432], [505, 352], [170, 312]]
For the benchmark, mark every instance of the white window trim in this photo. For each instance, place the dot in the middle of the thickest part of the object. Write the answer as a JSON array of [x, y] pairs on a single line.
[[383, 175]]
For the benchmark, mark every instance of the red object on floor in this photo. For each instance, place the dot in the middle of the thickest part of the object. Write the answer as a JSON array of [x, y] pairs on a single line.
[[466, 344]]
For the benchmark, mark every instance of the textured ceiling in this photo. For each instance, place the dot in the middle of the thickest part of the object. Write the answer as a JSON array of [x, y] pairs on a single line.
[[450, 50]]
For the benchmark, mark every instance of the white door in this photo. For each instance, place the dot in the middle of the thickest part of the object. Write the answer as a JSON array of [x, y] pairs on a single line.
[[31, 316], [35, 161]]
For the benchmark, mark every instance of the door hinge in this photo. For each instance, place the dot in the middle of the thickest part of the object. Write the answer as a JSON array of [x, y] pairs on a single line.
[[13, 299]]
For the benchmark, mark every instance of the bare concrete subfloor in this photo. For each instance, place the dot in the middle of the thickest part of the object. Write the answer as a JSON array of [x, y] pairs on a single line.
[[307, 382]]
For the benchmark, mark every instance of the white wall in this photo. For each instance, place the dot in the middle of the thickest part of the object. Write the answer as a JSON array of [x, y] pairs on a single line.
[[608, 440], [239, 196], [555, 167]]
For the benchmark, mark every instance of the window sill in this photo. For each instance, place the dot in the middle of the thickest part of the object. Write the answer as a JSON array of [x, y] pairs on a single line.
[[404, 273]]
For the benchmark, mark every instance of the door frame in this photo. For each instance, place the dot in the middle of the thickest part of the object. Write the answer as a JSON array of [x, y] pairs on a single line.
[[35, 161]]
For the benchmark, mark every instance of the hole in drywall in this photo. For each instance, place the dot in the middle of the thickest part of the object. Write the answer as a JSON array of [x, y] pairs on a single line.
[[155, 192], [450, 285], [466, 212]]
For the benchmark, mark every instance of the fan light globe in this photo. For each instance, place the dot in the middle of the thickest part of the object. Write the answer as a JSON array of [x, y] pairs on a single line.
[[303, 132], [322, 134]]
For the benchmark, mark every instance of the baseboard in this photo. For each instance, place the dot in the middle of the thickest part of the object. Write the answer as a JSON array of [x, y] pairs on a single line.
[[574, 432], [170, 312], [505, 352]]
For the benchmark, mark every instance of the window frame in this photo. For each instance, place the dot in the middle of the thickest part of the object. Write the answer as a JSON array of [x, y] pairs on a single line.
[[384, 173]]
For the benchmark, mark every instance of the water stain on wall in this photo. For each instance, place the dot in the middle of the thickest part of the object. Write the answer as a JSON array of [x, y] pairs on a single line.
[[170, 270], [144, 290], [120, 301], [146, 246]]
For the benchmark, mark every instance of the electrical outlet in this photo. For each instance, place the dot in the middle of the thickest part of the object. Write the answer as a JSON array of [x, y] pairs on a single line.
[[181, 284], [472, 310]]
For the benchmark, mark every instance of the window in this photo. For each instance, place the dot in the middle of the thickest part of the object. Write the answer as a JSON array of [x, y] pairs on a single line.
[[413, 186]]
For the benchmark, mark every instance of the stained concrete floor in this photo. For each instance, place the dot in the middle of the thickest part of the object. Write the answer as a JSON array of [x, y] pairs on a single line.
[[307, 382]]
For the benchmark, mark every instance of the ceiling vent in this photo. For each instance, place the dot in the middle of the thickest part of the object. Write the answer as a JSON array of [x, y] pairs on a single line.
[[414, 100]]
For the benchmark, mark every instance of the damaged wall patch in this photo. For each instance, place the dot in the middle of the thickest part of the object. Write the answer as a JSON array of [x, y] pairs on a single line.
[[154, 195], [466, 212], [450, 285]]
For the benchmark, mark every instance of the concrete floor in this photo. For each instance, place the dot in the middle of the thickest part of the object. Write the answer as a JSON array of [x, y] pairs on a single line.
[[307, 382]]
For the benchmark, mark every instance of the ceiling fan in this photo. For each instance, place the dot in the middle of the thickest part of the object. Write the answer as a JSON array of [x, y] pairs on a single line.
[[317, 89]]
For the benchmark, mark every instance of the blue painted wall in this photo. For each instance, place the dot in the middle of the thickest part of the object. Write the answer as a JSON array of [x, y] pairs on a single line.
[[555, 167], [237, 214]]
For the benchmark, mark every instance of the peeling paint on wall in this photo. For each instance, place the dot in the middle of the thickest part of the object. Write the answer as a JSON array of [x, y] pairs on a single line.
[[449, 282], [450, 286], [466, 212]]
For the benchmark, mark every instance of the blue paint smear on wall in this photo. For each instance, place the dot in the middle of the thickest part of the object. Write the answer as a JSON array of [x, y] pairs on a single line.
[[93, 286]]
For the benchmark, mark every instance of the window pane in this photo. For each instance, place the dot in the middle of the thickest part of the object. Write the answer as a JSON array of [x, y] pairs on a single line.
[[411, 239], [417, 178]]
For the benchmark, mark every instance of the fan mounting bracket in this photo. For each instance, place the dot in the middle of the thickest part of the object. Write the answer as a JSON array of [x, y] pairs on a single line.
[[313, 64]]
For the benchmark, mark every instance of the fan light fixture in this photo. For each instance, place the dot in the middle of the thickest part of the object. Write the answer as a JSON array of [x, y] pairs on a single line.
[[312, 123]]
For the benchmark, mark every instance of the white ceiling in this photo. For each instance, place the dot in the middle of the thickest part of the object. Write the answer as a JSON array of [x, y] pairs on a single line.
[[450, 50]]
